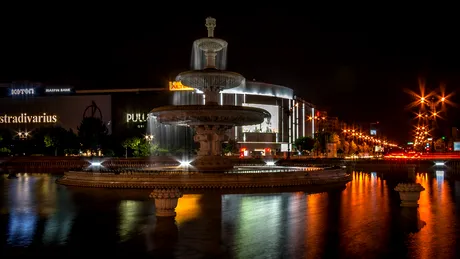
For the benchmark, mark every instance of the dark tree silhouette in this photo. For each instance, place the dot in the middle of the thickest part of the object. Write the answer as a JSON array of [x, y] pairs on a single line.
[[92, 133], [304, 143], [55, 140]]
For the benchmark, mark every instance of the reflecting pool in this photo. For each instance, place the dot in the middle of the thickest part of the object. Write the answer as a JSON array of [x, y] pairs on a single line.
[[361, 220]]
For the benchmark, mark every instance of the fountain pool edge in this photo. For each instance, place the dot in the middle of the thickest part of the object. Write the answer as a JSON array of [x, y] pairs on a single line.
[[196, 180]]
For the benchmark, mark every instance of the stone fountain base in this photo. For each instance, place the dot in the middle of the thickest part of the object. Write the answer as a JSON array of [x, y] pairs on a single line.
[[166, 201], [240, 178], [212, 163], [409, 194]]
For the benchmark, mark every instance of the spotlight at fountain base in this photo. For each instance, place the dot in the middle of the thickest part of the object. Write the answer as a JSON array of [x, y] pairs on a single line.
[[184, 163], [270, 163]]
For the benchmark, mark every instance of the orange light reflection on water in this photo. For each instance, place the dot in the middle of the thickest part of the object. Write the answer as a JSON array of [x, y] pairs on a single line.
[[188, 208], [364, 206], [316, 220], [436, 208]]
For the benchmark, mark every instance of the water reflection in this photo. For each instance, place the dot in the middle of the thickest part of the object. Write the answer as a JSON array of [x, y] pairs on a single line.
[[363, 220], [365, 211], [259, 217], [188, 208], [37, 210], [437, 238], [128, 216]]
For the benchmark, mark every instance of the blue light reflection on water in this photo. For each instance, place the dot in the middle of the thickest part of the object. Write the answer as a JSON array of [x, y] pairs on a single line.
[[22, 217], [35, 200], [21, 228]]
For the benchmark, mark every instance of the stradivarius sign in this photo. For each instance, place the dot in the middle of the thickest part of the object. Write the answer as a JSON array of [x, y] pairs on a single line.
[[25, 118]]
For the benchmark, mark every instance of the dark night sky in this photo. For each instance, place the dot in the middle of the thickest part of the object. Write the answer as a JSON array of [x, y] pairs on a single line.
[[354, 65]]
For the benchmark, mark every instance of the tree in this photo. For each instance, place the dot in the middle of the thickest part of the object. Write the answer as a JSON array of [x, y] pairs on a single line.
[[353, 148], [304, 143], [334, 138], [92, 133], [340, 152], [365, 148], [3, 149], [322, 138], [59, 139], [231, 147], [51, 142], [71, 143], [140, 147], [147, 148], [133, 144], [346, 147]]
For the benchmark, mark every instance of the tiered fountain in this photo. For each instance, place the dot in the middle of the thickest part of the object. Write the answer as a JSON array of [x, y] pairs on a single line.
[[210, 121]]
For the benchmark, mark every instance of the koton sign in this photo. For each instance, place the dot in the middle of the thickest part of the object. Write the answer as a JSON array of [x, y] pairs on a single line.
[[22, 91], [24, 118]]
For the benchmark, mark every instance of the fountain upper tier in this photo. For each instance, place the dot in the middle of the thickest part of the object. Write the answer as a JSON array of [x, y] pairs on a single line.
[[211, 44], [210, 79]]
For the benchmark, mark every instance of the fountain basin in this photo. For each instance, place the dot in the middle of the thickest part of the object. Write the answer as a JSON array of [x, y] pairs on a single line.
[[245, 177], [191, 115]]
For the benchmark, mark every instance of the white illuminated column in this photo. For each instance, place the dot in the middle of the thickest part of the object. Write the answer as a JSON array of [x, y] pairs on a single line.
[[282, 122], [297, 121], [290, 125], [236, 128], [303, 119], [312, 122]]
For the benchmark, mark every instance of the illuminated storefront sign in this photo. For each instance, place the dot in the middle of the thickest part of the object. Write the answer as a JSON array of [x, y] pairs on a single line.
[[178, 86], [136, 117], [22, 91], [58, 90], [23, 88], [24, 118]]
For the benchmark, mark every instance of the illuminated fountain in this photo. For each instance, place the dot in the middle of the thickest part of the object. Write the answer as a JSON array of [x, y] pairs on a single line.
[[210, 169], [210, 121]]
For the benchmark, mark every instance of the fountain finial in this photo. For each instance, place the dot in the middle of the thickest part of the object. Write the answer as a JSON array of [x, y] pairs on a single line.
[[210, 24]]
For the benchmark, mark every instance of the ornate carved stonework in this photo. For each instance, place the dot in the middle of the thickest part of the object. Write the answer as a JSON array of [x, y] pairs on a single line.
[[165, 201], [210, 138]]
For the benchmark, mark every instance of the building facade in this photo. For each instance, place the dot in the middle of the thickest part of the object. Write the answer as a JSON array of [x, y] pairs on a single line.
[[27, 106], [289, 115]]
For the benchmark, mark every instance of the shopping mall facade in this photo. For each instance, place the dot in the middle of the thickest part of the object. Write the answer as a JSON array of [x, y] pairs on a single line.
[[26, 106]]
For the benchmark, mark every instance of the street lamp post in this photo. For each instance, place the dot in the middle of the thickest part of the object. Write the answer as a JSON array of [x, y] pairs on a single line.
[[427, 114]]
